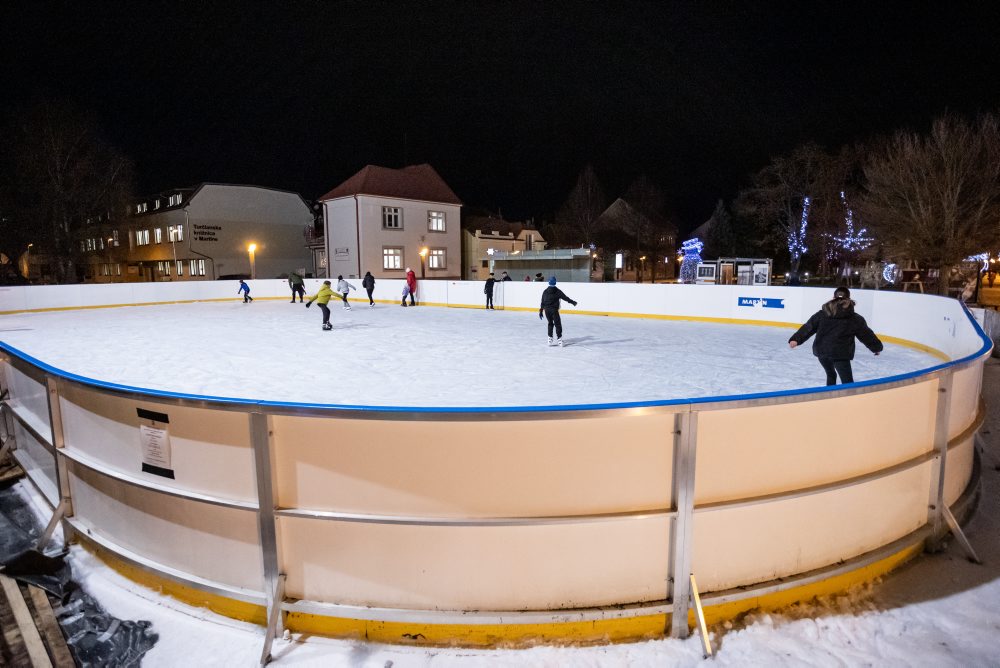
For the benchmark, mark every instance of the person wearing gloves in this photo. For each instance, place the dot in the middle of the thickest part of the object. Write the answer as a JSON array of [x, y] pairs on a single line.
[[322, 298], [343, 287], [550, 307], [836, 325]]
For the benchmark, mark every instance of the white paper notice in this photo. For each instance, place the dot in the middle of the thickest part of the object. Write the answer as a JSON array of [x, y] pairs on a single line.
[[155, 446]]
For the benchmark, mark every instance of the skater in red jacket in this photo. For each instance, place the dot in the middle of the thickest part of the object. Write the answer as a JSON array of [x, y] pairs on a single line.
[[411, 282]]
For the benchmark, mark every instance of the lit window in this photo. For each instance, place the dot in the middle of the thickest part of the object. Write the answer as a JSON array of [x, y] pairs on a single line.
[[118, 269], [179, 201], [159, 266], [166, 267], [392, 258], [435, 221], [194, 267], [100, 243], [180, 267], [138, 208], [201, 265], [141, 237], [114, 235], [104, 269], [437, 259], [392, 218], [156, 203], [179, 235], [158, 235]]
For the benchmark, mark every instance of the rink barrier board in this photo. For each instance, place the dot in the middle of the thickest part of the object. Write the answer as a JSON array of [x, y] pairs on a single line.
[[581, 411]]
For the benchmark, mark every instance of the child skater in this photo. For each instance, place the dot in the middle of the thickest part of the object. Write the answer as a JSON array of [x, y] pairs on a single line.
[[322, 298], [344, 287], [406, 293], [245, 289]]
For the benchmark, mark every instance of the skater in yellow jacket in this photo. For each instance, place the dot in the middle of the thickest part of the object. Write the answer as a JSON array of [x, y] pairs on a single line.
[[322, 298]]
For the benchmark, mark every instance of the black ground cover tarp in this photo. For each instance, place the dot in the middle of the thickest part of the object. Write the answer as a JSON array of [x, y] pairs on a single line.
[[95, 638]]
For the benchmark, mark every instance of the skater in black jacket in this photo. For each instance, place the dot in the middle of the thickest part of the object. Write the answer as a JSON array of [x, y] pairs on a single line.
[[550, 307], [368, 283], [836, 325], [488, 291]]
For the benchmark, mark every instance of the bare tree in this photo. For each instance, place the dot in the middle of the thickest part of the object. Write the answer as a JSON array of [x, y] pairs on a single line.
[[935, 198], [784, 197], [65, 171], [579, 213]]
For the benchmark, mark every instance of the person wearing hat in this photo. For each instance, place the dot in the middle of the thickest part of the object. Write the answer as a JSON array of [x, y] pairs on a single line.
[[550, 307], [322, 298], [488, 291], [836, 325], [539, 278]]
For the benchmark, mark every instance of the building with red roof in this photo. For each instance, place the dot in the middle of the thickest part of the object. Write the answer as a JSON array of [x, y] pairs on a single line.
[[386, 220]]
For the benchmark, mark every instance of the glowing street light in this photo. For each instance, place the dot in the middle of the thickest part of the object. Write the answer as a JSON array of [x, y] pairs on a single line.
[[251, 249], [423, 258]]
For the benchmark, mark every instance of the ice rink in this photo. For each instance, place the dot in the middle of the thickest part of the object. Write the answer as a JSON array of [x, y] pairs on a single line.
[[424, 356]]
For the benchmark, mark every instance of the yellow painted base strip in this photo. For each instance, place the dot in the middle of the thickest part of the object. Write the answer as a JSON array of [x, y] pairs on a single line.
[[626, 629], [227, 607]]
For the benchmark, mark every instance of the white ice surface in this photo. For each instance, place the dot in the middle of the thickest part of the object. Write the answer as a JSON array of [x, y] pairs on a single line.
[[424, 356]]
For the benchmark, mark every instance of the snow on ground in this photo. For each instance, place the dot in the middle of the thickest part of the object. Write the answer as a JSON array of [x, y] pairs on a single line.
[[424, 356]]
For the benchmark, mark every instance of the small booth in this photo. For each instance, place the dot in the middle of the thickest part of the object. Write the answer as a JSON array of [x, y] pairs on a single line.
[[735, 271]]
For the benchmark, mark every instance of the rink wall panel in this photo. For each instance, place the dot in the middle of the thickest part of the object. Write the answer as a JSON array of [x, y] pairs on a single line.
[[546, 509]]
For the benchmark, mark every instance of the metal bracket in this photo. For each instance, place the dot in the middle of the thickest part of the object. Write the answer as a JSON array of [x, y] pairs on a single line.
[[700, 616], [57, 516], [956, 531], [273, 617]]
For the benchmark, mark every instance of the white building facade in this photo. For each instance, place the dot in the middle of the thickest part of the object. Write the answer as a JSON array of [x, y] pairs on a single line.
[[387, 220]]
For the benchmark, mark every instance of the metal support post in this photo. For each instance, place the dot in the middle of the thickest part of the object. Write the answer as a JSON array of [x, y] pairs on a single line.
[[273, 619], [261, 438], [940, 516], [50, 528], [65, 507], [682, 503], [700, 617]]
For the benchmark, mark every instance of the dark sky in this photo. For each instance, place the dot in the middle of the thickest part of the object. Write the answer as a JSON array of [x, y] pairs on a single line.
[[507, 100]]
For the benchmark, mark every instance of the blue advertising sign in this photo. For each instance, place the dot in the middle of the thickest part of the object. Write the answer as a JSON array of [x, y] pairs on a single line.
[[761, 302]]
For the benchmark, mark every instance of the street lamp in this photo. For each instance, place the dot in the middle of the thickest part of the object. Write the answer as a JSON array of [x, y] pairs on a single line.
[[251, 249], [642, 267], [27, 263], [423, 258]]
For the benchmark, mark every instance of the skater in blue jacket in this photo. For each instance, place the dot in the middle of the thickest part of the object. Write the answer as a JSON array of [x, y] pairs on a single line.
[[245, 289]]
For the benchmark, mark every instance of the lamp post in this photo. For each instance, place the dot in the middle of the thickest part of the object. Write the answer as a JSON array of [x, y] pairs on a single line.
[[423, 259], [27, 263], [642, 268], [251, 249]]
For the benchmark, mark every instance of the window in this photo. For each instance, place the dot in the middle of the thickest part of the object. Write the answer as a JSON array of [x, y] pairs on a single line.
[[83, 245], [141, 237], [156, 203], [392, 218], [105, 269], [158, 235], [201, 264], [437, 259], [179, 233], [118, 269], [159, 267], [194, 267], [114, 235], [392, 258], [435, 221], [100, 243], [173, 200], [197, 267], [486, 263]]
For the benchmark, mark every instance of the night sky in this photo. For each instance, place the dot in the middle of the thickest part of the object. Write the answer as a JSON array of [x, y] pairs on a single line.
[[507, 101]]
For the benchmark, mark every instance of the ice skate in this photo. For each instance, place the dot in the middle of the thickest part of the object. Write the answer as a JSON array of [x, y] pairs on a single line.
[[327, 326], [550, 341], [559, 343]]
